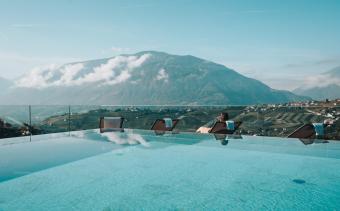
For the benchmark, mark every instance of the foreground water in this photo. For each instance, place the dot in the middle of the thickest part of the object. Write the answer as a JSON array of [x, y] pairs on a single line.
[[183, 171]]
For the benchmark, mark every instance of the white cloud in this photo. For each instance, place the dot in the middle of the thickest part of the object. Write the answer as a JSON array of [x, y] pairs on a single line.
[[123, 76], [133, 62], [114, 71], [37, 78], [103, 72], [68, 74], [40, 77], [320, 81], [162, 75], [106, 72]]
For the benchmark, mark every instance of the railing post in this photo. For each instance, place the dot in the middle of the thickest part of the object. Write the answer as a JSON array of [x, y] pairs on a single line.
[[30, 121], [69, 120]]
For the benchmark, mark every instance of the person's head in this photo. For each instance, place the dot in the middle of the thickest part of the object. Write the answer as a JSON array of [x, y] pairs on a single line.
[[223, 116]]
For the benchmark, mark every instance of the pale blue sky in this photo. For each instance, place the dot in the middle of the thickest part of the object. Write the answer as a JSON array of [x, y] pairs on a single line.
[[278, 42]]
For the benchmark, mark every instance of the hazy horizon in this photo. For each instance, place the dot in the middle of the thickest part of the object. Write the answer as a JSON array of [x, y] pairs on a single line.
[[279, 43]]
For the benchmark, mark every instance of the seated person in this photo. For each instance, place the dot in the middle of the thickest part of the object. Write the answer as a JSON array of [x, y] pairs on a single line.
[[207, 127]]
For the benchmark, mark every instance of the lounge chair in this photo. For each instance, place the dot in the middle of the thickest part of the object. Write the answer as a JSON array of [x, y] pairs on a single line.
[[221, 128], [306, 141], [110, 124], [161, 124], [312, 141], [306, 131]]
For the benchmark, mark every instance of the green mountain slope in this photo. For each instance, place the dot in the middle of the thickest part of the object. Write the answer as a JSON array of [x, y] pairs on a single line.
[[144, 78]]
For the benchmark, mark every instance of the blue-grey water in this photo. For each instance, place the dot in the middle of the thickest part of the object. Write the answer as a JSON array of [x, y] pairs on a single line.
[[140, 170]]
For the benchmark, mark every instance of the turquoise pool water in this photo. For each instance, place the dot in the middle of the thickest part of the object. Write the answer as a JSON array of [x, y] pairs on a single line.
[[138, 170]]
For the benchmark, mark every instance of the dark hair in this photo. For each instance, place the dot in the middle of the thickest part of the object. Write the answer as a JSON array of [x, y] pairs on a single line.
[[225, 115]]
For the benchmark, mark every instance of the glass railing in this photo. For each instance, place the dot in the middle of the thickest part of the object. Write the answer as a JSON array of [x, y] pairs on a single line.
[[259, 120]]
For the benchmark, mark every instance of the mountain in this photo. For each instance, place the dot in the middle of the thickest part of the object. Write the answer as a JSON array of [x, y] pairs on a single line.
[[144, 78], [323, 86]]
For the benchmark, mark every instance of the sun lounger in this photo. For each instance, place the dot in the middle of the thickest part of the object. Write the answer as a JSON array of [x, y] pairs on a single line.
[[304, 132], [110, 124], [221, 128], [165, 124], [308, 131]]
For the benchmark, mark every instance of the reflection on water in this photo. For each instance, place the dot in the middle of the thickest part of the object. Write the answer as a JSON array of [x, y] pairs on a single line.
[[223, 138], [313, 141], [147, 137], [121, 138], [125, 138]]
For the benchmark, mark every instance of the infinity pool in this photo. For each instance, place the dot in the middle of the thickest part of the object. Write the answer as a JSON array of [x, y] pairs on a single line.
[[139, 170]]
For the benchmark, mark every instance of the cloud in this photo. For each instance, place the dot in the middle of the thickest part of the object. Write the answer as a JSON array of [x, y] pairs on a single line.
[[320, 81], [123, 76], [37, 78], [114, 71], [103, 72], [42, 77], [162, 75], [68, 74], [106, 72], [133, 62]]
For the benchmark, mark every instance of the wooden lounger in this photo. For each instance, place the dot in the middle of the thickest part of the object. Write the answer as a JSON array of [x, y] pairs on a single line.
[[159, 125], [110, 124], [304, 132], [221, 128]]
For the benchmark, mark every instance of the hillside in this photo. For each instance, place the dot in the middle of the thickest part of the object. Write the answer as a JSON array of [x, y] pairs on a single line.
[[144, 78], [264, 120]]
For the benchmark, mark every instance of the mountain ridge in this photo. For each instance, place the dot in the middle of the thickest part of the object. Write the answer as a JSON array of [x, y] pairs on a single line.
[[323, 86], [147, 77]]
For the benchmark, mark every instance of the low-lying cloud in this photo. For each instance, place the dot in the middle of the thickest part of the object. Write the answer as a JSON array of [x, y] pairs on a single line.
[[38, 77], [68, 74], [162, 75], [114, 71], [322, 80]]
